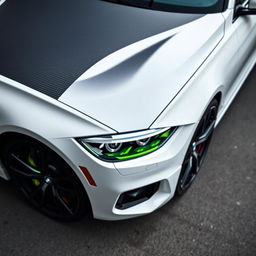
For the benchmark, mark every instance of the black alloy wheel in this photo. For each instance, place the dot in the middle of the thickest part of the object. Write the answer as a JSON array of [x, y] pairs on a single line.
[[198, 148], [45, 179]]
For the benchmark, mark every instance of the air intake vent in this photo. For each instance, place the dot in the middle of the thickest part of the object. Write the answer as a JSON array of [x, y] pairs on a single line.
[[136, 196]]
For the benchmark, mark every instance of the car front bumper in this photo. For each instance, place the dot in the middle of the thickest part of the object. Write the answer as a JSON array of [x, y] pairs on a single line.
[[113, 179]]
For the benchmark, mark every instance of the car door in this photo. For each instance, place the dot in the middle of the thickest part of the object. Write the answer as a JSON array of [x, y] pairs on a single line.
[[246, 35], [241, 38]]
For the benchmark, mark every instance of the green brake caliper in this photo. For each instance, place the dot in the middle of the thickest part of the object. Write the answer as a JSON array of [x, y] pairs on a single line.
[[32, 163]]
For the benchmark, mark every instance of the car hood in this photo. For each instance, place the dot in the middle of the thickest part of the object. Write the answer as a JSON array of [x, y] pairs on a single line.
[[129, 88]]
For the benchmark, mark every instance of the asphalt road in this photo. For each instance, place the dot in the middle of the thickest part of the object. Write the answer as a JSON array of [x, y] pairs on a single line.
[[216, 217]]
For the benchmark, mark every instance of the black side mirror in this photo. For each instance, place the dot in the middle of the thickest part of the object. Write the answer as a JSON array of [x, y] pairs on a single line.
[[251, 10]]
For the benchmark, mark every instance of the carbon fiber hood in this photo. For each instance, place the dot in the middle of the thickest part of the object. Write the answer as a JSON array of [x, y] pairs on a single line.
[[46, 45]]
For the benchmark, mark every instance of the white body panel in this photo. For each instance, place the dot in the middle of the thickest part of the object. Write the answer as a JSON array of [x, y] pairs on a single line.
[[210, 78], [211, 55]]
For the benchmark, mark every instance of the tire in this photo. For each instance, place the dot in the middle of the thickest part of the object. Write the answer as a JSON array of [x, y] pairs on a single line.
[[198, 148], [45, 179]]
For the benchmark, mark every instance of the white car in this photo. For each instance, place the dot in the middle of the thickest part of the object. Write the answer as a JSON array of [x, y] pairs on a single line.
[[109, 107]]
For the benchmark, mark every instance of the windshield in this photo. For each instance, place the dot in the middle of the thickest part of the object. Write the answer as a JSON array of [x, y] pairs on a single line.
[[201, 6], [184, 6], [191, 3]]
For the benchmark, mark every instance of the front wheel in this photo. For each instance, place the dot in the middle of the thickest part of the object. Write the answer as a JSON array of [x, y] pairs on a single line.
[[45, 179], [198, 148]]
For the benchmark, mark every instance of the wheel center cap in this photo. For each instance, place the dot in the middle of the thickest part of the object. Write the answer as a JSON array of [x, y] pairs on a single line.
[[48, 180]]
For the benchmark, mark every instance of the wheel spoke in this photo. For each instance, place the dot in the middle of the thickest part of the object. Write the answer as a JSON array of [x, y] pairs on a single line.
[[206, 134], [187, 171], [68, 191], [26, 175], [58, 198], [42, 189], [196, 158], [26, 166]]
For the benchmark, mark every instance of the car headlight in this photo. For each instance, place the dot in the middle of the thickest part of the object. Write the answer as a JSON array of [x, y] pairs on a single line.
[[121, 147]]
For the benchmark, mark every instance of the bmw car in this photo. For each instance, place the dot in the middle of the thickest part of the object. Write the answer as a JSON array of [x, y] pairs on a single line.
[[108, 107]]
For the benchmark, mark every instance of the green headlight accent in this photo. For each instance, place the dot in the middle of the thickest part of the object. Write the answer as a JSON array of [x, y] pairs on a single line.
[[130, 149], [142, 149], [132, 152], [123, 152], [142, 153], [165, 134], [155, 143]]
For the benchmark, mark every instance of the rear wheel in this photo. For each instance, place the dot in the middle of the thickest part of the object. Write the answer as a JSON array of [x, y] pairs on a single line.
[[45, 179], [198, 148]]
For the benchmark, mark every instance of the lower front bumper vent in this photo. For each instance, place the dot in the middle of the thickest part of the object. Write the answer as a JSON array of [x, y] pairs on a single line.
[[136, 196]]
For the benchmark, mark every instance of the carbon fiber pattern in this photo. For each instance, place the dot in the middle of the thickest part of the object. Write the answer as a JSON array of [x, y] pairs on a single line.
[[46, 45]]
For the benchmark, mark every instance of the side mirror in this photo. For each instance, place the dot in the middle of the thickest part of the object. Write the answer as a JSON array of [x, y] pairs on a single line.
[[251, 10]]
